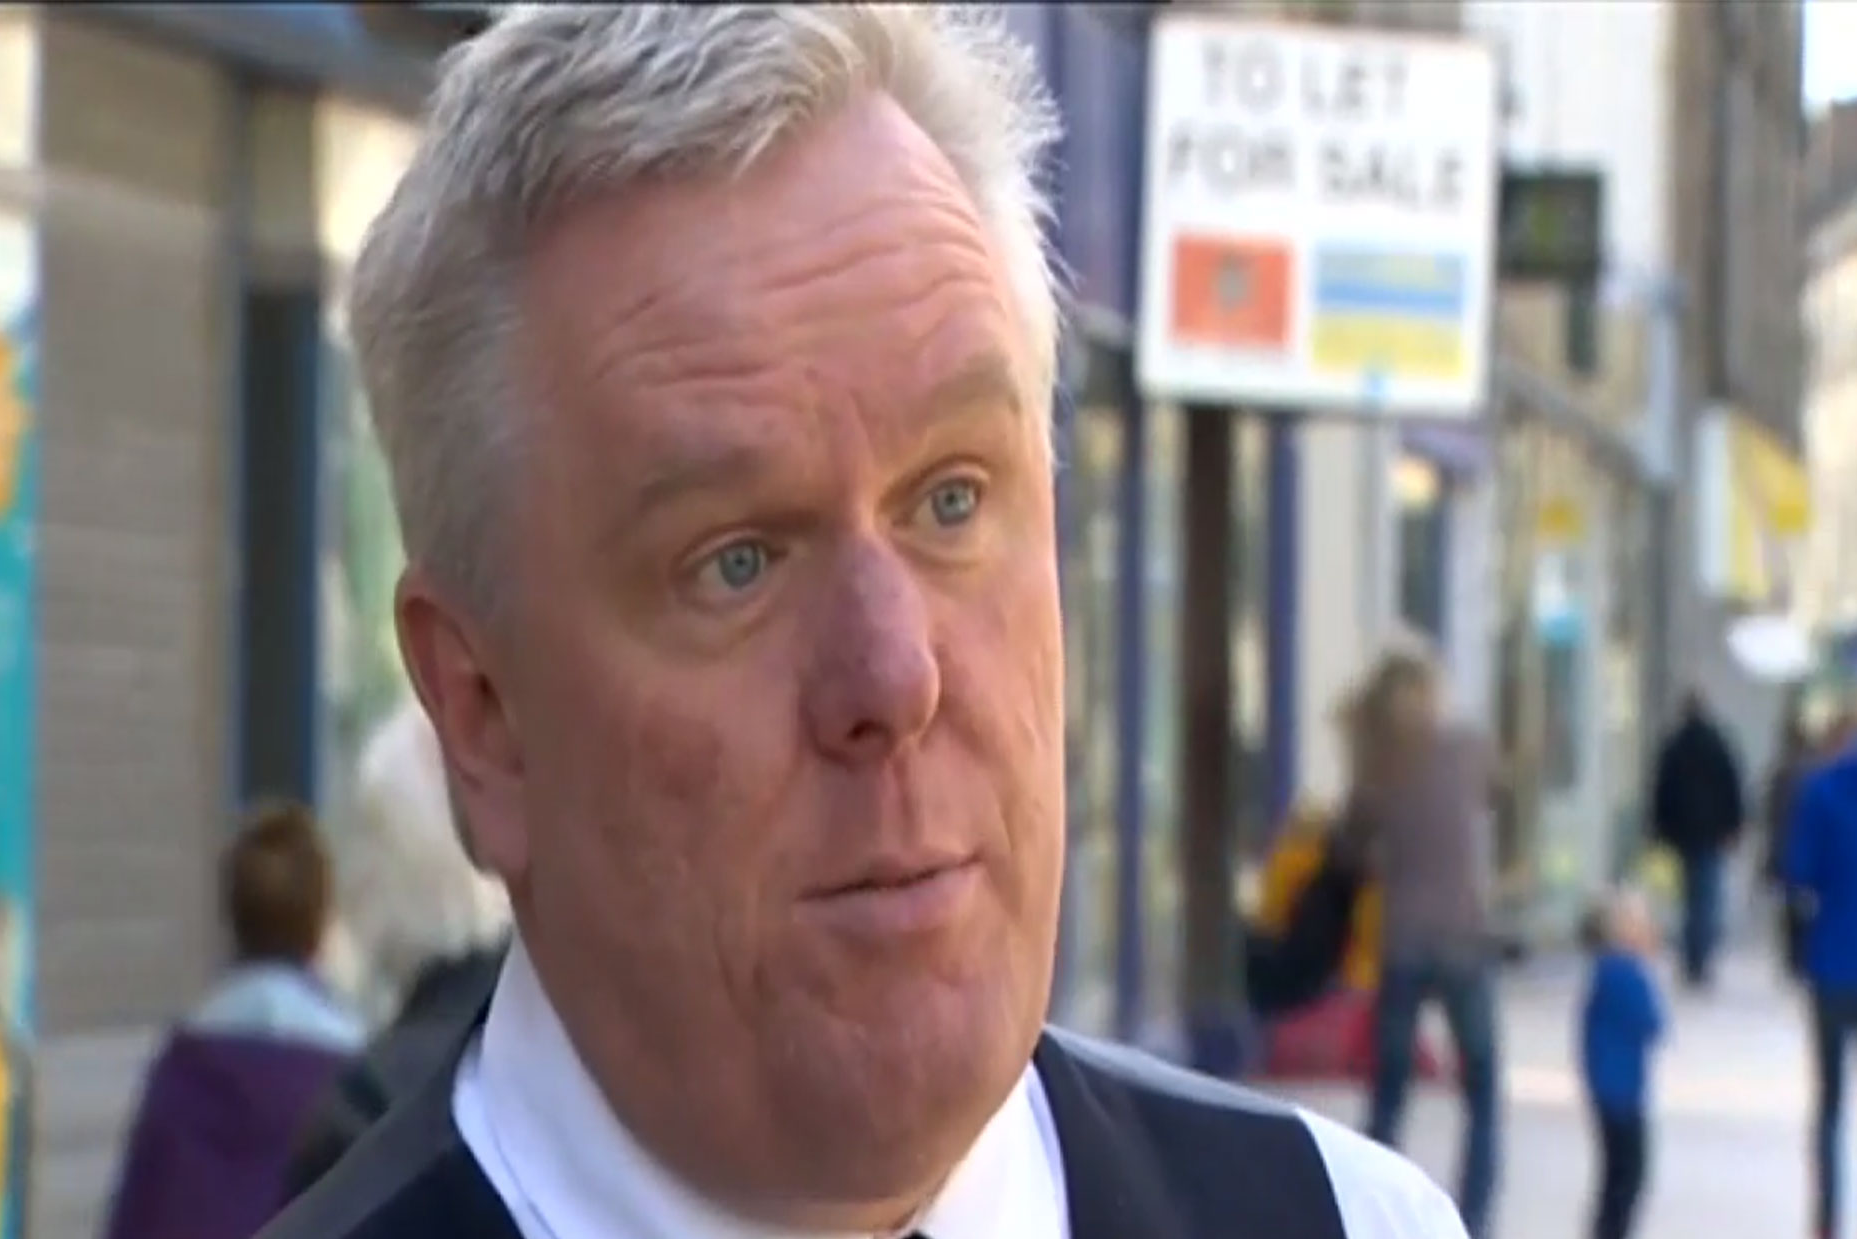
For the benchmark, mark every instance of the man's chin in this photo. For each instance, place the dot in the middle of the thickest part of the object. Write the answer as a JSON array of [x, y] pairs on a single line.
[[891, 1099], [949, 1030]]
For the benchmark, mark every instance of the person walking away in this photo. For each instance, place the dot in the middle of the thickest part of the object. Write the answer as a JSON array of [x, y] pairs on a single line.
[[1699, 806], [434, 929], [1797, 755], [229, 1090], [1621, 1022], [1821, 870], [1419, 814]]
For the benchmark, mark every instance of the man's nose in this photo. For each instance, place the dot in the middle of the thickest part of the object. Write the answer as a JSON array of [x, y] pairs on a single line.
[[875, 684]]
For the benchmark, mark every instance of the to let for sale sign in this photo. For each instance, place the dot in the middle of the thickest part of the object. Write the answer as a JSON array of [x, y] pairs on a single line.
[[1319, 225]]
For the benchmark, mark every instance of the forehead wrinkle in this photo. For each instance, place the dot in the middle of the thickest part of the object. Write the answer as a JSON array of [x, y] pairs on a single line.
[[861, 229], [740, 274]]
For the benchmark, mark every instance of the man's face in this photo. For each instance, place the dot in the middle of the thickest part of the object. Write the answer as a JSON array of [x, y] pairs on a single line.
[[777, 721]]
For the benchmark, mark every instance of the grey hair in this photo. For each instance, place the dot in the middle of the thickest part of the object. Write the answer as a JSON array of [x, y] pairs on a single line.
[[556, 104], [406, 892]]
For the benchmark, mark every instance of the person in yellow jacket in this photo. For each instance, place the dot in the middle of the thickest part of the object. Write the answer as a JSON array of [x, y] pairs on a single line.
[[1292, 864]]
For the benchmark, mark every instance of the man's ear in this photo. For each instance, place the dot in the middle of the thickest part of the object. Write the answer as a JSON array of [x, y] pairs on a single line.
[[448, 658]]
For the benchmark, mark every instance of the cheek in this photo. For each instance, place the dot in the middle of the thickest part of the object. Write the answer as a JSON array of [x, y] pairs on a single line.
[[673, 772], [1019, 637], [677, 757], [1003, 678]]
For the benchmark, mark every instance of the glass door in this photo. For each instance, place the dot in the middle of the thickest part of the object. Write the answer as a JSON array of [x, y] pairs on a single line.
[[1092, 495]]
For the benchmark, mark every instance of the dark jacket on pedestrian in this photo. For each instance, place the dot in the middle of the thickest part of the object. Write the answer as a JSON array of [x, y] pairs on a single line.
[[1782, 792], [447, 996], [223, 1103], [1698, 802], [1289, 969]]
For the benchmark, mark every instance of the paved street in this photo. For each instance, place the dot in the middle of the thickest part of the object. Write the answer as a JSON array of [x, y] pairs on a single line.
[[1729, 1157]]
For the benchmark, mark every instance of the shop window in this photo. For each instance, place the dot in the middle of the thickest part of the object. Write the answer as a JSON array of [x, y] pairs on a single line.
[[1162, 587], [19, 86], [277, 624], [1424, 572], [358, 157], [1250, 653], [1091, 612], [1561, 711], [364, 679], [1629, 581]]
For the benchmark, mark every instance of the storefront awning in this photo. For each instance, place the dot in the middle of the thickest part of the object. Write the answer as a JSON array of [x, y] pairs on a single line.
[[1754, 507], [1453, 448]]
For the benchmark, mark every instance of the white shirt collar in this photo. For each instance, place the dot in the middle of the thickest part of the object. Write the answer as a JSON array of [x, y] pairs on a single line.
[[567, 1169]]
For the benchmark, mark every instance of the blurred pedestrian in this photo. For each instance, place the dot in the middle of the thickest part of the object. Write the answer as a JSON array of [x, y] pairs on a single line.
[[1699, 807], [1419, 813], [1798, 752], [436, 926], [230, 1089], [1620, 1024], [1821, 871], [406, 892]]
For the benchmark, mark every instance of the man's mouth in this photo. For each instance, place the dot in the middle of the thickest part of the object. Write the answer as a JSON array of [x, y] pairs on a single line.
[[890, 874], [897, 898]]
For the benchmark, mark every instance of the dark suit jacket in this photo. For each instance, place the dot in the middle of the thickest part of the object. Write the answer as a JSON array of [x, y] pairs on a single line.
[[444, 999], [1149, 1153]]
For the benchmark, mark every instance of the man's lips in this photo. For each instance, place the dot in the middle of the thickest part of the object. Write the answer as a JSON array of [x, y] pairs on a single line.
[[896, 897], [889, 873]]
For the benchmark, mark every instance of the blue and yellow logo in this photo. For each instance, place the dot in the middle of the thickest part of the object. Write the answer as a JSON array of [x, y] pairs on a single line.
[[1395, 314]]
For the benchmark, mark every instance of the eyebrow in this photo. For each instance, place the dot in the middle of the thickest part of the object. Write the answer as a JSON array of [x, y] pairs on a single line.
[[694, 470], [989, 380]]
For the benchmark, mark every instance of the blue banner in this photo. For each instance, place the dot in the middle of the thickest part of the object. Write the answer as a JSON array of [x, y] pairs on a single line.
[[19, 484]]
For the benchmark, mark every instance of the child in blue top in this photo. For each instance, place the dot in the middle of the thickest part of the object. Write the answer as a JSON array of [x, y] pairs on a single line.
[[1620, 1023]]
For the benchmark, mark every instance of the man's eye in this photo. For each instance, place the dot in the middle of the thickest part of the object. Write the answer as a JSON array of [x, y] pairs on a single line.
[[739, 565], [954, 502]]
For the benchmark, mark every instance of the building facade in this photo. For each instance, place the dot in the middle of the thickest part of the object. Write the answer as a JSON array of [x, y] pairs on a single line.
[[1612, 602], [1294, 548], [181, 190], [1740, 524], [1828, 593]]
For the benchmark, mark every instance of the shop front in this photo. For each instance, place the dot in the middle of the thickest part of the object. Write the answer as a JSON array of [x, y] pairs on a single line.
[[1093, 62], [363, 152], [161, 287], [1121, 483], [1572, 675], [1123, 488], [1442, 494], [1422, 503], [1755, 512]]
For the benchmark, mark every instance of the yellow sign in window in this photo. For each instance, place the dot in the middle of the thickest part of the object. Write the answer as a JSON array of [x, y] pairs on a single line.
[[1391, 346]]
